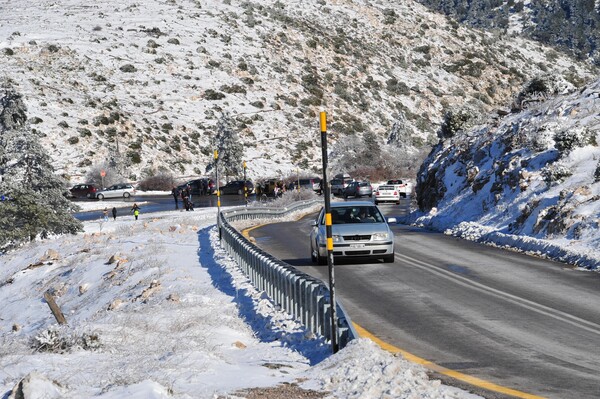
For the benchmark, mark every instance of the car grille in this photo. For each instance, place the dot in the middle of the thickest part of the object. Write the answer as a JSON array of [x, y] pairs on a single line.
[[358, 253], [357, 237]]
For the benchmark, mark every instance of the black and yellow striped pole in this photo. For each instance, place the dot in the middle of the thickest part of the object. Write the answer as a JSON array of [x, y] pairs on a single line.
[[245, 188], [327, 195], [216, 154]]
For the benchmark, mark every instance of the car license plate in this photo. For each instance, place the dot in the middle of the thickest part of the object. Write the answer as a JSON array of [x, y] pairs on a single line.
[[357, 245]]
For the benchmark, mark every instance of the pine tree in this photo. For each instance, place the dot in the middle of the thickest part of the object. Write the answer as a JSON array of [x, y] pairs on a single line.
[[231, 150], [36, 205]]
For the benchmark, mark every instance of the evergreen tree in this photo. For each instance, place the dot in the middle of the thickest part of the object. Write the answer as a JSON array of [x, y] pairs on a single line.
[[36, 205], [231, 150]]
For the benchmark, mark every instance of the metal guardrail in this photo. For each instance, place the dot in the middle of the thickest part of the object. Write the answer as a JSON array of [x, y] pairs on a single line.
[[304, 297]]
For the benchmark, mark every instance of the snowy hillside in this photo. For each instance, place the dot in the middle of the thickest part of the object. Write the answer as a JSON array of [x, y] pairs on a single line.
[[147, 81], [528, 181]]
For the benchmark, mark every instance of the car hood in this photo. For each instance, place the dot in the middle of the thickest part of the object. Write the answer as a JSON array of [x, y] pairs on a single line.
[[359, 228]]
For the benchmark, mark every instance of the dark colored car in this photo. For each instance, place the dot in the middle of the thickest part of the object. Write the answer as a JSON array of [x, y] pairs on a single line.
[[83, 191], [358, 189], [237, 187], [196, 186]]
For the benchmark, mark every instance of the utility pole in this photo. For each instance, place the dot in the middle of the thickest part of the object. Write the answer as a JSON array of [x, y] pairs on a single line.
[[216, 155], [326, 193], [245, 188]]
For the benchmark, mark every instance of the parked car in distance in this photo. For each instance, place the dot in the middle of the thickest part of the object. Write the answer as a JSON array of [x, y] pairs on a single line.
[[122, 190], [358, 189], [85, 190], [196, 186], [387, 193], [338, 184], [358, 230], [237, 187], [404, 187], [314, 183]]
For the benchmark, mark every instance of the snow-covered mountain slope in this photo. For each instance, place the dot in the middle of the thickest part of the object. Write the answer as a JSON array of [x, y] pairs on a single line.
[[148, 80], [529, 181]]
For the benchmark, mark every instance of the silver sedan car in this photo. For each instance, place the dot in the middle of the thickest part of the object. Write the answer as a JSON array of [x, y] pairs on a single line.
[[122, 190], [358, 230]]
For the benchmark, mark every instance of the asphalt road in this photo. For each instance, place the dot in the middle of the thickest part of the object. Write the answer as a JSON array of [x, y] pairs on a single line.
[[521, 322]]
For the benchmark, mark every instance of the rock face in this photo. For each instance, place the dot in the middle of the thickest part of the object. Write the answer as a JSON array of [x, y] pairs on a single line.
[[538, 164]]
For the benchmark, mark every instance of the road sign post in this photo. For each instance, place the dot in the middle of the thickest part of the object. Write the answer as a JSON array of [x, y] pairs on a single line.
[[216, 156], [327, 196]]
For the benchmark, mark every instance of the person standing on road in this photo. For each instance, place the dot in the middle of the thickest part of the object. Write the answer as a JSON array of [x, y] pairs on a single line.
[[175, 195], [114, 213], [136, 211], [184, 198], [105, 214], [188, 189]]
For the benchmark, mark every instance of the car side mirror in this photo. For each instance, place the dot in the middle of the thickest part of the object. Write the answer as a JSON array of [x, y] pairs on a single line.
[[392, 221], [314, 223]]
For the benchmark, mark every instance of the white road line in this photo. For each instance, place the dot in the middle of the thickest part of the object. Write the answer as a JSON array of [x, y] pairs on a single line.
[[525, 303]]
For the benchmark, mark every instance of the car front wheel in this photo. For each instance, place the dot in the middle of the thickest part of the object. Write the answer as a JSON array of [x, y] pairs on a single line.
[[388, 258], [88, 195], [321, 260], [126, 195]]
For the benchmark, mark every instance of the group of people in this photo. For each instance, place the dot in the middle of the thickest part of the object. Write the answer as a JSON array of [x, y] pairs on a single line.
[[276, 189], [186, 197], [135, 209]]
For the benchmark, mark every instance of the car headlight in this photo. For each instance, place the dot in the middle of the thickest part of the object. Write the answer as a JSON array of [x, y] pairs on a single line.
[[323, 239], [380, 236]]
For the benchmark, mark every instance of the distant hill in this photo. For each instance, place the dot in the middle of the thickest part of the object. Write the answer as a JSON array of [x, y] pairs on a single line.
[[145, 82]]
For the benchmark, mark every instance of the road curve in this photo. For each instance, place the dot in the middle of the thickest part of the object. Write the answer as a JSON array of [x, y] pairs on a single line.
[[523, 323]]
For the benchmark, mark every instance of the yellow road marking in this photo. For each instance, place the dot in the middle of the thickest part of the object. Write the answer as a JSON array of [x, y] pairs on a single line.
[[246, 232], [478, 382]]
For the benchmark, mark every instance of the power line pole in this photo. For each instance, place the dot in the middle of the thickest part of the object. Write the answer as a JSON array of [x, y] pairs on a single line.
[[326, 193]]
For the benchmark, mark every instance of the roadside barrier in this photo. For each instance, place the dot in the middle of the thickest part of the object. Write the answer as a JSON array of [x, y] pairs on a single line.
[[304, 297]]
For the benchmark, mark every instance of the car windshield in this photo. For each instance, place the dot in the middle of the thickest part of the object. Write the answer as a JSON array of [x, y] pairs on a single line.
[[355, 214]]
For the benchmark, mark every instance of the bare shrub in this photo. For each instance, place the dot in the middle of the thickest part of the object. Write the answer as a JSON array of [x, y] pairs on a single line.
[[555, 173], [59, 340], [159, 182]]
